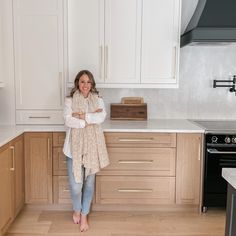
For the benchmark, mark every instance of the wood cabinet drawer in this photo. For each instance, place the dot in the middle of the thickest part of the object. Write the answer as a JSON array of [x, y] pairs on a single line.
[[59, 162], [58, 139], [134, 139], [135, 190], [160, 161], [61, 190]]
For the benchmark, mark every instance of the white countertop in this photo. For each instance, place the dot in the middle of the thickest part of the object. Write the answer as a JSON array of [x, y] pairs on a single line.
[[229, 174], [9, 132]]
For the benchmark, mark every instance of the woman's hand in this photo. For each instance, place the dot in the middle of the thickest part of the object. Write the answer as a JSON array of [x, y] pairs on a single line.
[[99, 110], [79, 115]]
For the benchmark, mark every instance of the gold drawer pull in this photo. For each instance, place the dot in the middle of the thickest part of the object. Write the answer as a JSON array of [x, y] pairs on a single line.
[[136, 139], [135, 161], [135, 190], [13, 158], [66, 190]]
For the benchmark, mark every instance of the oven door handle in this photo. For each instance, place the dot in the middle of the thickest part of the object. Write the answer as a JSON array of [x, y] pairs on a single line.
[[215, 151]]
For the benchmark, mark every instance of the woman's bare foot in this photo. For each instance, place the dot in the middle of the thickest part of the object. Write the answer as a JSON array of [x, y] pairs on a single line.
[[76, 217], [83, 223]]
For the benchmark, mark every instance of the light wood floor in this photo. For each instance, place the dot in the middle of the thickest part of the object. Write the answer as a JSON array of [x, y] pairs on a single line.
[[59, 223]]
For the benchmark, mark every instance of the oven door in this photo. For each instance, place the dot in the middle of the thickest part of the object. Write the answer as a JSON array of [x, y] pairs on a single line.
[[215, 186]]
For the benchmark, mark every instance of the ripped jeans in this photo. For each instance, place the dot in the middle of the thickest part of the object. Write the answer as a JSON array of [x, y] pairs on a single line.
[[81, 193]]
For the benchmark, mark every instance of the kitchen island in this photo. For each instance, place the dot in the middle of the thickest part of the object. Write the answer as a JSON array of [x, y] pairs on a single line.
[[229, 174]]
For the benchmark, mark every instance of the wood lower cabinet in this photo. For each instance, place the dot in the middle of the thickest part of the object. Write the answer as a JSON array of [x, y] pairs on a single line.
[[188, 170], [6, 194], [17, 152], [145, 169], [141, 170], [135, 190], [11, 181], [38, 167], [61, 191]]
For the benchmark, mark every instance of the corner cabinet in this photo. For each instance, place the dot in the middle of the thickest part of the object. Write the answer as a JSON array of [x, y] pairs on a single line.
[[17, 152], [38, 49], [6, 194], [125, 44], [11, 182]]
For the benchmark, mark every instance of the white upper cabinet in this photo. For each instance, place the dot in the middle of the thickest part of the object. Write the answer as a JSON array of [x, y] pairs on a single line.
[[160, 42], [122, 41], [85, 37], [104, 36], [1, 44], [125, 43], [38, 45]]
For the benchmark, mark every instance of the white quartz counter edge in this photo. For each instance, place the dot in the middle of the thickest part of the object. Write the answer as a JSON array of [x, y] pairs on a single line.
[[229, 174], [8, 132]]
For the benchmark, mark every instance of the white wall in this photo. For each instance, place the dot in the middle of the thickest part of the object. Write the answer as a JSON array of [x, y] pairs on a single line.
[[7, 98], [195, 97]]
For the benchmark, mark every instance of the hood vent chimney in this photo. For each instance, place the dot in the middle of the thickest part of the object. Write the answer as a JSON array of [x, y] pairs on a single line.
[[213, 22]]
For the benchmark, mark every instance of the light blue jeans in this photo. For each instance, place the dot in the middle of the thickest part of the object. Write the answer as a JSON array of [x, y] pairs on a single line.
[[81, 193]]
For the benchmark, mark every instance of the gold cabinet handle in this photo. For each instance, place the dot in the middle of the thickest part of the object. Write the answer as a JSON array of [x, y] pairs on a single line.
[[48, 144], [60, 86], [135, 161], [66, 190], [135, 190], [101, 62], [106, 65], [13, 158], [135, 139], [174, 61]]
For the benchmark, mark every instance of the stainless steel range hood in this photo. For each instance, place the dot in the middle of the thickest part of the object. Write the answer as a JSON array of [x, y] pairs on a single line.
[[213, 22]]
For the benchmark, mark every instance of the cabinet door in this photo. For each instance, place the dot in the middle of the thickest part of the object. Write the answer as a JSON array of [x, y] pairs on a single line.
[[104, 36], [188, 174], [1, 44], [6, 188], [160, 41], [17, 152], [38, 44], [122, 41], [86, 38], [38, 167]]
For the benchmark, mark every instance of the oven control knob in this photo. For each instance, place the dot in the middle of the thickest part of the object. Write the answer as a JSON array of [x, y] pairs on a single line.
[[234, 140], [227, 139], [214, 139]]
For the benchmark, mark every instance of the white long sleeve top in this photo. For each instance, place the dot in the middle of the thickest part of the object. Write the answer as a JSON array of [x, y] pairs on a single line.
[[72, 122]]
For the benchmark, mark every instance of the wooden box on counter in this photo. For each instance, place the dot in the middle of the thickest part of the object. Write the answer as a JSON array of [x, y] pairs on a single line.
[[121, 111]]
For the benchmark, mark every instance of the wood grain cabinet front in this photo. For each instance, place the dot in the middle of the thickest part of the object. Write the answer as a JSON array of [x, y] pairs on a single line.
[[61, 191], [38, 167], [11, 182], [17, 152], [141, 170], [6, 194]]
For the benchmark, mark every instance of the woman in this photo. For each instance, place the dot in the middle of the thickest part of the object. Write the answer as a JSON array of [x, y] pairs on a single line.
[[84, 145]]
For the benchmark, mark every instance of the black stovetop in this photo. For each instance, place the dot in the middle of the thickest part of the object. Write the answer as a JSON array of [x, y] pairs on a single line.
[[217, 125]]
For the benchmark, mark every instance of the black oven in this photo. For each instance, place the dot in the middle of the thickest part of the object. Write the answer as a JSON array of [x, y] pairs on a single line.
[[220, 151]]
